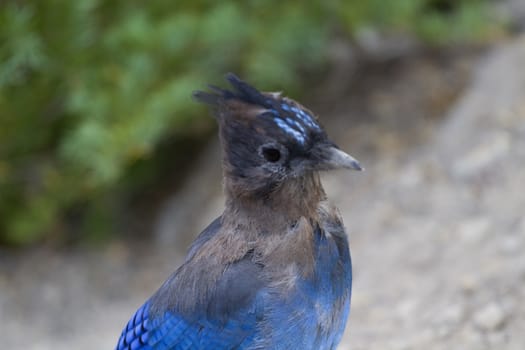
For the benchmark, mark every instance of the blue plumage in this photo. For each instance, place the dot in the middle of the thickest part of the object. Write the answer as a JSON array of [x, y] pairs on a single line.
[[270, 320], [136, 334], [274, 271]]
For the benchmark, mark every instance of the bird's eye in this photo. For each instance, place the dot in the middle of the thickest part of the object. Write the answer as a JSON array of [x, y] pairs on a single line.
[[271, 154]]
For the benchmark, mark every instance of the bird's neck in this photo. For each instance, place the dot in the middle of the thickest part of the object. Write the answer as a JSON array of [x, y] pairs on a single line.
[[284, 205]]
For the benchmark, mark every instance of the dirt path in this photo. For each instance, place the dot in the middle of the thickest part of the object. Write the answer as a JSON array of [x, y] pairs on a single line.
[[437, 233]]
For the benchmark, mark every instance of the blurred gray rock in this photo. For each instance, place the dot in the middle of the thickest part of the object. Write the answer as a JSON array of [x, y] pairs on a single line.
[[491, 317]]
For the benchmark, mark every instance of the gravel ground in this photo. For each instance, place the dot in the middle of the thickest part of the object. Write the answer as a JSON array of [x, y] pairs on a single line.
[[438, 234], [436, 227]]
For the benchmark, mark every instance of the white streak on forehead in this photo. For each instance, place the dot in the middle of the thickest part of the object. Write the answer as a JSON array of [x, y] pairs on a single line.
[[301, 115], [287, 128]]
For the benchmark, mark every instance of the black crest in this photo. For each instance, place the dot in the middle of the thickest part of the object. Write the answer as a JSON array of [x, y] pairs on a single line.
[[242, 91], [289, 117]]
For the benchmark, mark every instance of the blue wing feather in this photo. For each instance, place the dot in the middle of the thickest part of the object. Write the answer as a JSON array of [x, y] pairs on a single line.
[[136, 334], [228, 321], [174, 332]]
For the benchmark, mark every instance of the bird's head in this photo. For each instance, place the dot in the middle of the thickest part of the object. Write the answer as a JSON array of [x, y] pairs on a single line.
[[268, 139]]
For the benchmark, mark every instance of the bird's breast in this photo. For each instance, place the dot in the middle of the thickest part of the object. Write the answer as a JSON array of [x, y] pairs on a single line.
[[310, 311]]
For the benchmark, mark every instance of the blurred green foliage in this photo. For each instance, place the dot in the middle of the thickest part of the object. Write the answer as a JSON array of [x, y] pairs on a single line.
[[89, 88]]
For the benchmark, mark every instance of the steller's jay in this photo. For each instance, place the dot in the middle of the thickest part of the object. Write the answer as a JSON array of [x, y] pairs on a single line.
[[274, 270]]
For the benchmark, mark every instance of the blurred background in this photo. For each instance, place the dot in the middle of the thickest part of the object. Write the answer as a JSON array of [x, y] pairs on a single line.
[[108, 169]]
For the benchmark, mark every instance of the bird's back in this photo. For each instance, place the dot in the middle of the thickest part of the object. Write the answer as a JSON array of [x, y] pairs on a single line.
[[254, 304]]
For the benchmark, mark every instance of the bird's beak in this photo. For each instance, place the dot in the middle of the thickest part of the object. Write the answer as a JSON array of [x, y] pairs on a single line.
[[336, 159], [327, 156]]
